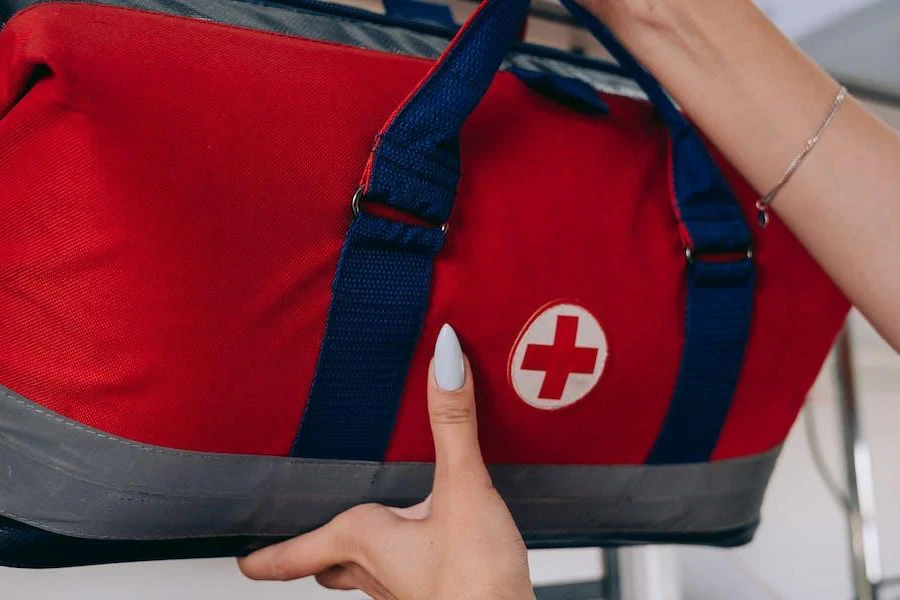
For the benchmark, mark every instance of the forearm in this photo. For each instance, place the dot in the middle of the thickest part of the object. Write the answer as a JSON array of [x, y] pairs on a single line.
[[759, 98]]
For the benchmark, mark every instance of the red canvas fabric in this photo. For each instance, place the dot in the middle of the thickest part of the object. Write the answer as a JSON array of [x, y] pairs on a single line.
[[176, 192]]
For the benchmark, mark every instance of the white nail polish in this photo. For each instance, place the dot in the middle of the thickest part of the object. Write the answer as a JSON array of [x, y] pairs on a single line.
[[449, 369]]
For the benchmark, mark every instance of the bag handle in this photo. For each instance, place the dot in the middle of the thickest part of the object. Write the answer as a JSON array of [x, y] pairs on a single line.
[[382, 284], [422, 135], [414, 165]]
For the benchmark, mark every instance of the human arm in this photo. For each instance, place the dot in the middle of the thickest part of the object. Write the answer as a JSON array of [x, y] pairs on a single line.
[[759, 98]]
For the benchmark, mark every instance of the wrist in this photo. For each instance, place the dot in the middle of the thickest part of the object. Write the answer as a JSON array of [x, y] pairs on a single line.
[[675, 18], [748, 87], [637, 14], [680, 34]]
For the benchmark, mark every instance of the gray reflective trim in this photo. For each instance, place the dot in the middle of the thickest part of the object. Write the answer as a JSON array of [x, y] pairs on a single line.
[[60, 476], [308, 24]]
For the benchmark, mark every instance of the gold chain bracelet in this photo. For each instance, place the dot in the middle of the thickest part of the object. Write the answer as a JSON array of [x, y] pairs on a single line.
[[764, 203]]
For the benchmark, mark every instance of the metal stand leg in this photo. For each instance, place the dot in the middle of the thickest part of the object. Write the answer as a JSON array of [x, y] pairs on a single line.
[[612, 584], [607, 588], [865, 553], [649, 573]]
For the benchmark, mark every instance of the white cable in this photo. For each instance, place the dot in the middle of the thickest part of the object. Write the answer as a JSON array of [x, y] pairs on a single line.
[[815, 449], [755, 578]]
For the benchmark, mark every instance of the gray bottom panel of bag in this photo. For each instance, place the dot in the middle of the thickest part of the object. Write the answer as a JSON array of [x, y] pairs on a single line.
[[73, 495]]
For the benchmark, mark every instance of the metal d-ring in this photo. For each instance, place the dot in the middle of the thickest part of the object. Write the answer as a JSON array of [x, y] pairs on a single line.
[[692, 255], [359, 195]]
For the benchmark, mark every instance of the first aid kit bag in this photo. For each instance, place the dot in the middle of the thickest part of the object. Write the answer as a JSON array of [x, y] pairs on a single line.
[[231, 233]]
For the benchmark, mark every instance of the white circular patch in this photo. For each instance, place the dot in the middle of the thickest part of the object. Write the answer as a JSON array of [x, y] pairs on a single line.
[[559, 356]]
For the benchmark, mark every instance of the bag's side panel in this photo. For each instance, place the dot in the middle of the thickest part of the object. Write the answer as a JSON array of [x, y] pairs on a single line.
[[175, 195]]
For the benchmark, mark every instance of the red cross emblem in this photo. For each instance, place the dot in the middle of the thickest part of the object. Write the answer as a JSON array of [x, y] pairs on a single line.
[[559, 356], [559, 360]]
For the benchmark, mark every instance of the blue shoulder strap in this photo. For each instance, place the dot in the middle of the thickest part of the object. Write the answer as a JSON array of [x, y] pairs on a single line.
[[382, 285], [720, 277]]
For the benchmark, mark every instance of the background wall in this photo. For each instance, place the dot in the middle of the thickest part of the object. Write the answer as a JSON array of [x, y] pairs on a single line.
[[800, 17], [801, 549]]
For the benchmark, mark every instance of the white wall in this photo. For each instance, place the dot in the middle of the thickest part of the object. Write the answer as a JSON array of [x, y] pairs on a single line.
[[800, 17]]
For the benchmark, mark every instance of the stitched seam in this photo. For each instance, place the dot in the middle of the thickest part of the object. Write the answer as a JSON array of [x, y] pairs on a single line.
[[433, 158], [417, 174], [211, 534], [237, 457], [182, 453]]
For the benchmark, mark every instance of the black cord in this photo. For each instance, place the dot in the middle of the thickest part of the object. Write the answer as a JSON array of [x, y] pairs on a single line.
[[839, 495], [815, 449]]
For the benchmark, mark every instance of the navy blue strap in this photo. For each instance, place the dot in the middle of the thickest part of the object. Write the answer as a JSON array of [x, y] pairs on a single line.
[[415, 10], [720, 285], [382, 285], [569, 91], [720, 277], [379, 297], [719, 303], [415, 166]]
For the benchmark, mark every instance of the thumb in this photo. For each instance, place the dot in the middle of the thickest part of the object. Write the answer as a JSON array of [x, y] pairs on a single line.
[[451, 407]]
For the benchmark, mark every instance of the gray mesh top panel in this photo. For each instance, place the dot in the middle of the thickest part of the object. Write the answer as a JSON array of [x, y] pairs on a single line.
[[344, 30]]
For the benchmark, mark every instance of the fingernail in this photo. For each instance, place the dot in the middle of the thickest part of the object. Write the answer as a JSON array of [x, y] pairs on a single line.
[[449, 369]]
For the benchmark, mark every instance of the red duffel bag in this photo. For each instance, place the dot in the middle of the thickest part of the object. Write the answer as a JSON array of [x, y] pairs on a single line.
[[232, 231]]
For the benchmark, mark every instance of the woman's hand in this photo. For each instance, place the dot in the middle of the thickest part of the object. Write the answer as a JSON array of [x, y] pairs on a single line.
[[460, 543]]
